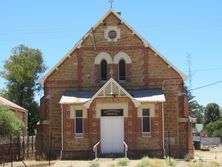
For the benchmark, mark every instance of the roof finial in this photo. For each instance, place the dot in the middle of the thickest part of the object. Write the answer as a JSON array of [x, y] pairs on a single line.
[[111, 3]]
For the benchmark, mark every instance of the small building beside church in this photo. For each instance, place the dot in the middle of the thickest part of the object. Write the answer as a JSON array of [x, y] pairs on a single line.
[[20, 112], [114, 90]]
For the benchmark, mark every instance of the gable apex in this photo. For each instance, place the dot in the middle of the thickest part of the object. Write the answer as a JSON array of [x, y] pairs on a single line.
[[78, 45]]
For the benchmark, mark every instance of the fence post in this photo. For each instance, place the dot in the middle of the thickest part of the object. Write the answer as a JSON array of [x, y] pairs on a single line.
[[23, 146], [32, 144], [11, 150], [27, 145], [19, 147]]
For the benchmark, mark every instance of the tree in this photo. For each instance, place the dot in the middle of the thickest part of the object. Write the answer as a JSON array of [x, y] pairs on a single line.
[[214, 129], [22, 71], [195, 109], [212, 113], [9, 124]]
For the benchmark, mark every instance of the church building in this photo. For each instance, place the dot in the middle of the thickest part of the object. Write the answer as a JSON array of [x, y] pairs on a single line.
[[114, 94]]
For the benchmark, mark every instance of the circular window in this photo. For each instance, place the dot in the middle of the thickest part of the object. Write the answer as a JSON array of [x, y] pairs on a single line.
[[112, 34]]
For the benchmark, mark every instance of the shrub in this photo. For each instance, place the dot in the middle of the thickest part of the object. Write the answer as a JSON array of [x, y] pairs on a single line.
[[94, 164], [170, 161], [187, 157], [123, 162], [152, 162], [9, 123]]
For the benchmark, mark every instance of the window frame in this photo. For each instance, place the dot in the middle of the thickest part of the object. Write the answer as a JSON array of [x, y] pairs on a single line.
[[79, 135], [149, 118], [101, 79], [119, 77]]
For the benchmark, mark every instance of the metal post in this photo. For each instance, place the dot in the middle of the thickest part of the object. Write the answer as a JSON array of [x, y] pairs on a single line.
[[169, 151], [50, 144]]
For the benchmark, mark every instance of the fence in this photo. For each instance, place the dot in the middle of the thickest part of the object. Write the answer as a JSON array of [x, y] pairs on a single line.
[[17, 148]]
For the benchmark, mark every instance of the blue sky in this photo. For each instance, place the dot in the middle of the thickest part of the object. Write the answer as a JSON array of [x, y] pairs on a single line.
[[175, 28]]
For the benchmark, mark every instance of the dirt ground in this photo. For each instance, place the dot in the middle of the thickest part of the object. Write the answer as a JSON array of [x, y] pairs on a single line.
[[214, 155]]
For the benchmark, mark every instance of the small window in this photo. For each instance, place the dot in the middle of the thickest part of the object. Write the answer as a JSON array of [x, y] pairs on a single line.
[[79, 122], [103, 70], [146, 121], [122, 70]]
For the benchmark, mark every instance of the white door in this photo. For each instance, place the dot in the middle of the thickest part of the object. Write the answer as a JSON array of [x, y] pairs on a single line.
[[112, 134]]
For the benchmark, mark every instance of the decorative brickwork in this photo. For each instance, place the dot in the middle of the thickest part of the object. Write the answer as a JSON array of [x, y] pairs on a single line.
[[148, 70]]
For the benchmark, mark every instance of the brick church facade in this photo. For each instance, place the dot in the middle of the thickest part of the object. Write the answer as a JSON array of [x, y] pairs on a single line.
[[114, 89]]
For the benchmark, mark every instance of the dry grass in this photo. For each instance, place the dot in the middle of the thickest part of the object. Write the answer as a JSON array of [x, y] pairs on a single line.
[[212, 158]]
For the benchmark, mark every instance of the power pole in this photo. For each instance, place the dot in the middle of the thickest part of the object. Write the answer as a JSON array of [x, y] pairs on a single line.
[[189, 70]]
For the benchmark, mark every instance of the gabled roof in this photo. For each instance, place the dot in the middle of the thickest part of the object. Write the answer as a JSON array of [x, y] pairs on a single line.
[[11, 105], [112, 83], [146, 44]]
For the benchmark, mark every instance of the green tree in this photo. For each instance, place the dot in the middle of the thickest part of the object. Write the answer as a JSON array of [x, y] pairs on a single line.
[[214, 129], [195, 109], [9, 124], [22, 71], [212, 113]]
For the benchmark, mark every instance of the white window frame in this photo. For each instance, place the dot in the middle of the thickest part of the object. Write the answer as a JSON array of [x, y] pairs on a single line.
[[146, 134], [79, 135]]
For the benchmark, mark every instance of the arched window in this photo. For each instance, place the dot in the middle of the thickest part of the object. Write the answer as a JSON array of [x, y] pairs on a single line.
[[122, 70], [103, 70]]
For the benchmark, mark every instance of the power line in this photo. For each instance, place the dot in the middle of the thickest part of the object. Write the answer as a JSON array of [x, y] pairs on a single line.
[[206, 85]]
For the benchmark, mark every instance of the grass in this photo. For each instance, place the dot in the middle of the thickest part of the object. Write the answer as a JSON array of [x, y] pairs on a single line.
[[203, 164], [150, 162]]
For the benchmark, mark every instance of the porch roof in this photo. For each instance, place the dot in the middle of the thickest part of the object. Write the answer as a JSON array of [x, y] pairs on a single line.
[[72, 97], [148, 95]]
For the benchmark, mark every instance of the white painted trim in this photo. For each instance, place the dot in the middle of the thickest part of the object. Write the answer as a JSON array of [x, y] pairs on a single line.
[[79, 135], [150, 106], [108, 29], [78, 45], [111, 105], [122, 55], [103, 56], [111, 80], [145, 133], [73, 108]]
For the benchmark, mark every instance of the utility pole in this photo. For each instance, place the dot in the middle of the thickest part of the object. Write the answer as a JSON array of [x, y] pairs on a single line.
[[189, 70]]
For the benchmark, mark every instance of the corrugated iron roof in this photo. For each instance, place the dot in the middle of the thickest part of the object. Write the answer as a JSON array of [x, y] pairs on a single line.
[[148, 95], [11, 105]]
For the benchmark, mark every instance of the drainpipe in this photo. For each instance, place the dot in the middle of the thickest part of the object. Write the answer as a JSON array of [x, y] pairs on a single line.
[[164, 153], [61, 153]]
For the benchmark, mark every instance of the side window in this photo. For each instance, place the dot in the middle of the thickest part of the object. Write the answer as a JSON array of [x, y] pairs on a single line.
[[78, 122], [103, 70], [122, 70], [146, 121]]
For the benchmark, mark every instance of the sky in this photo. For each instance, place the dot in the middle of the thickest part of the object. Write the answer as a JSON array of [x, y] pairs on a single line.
[[177, 29]]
